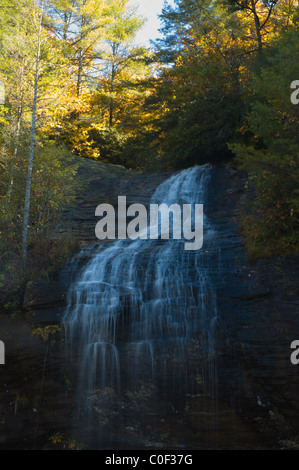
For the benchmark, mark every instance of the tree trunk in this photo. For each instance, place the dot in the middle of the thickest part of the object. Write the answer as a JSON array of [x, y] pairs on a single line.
[[15, 154], [80, 70], [257, 28], [111, 112], [113, 75], [17, 139], [65, 27], [81, 56], [32, 143]]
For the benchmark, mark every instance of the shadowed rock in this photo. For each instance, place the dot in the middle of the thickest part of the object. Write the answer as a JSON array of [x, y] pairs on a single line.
[[44, 301]]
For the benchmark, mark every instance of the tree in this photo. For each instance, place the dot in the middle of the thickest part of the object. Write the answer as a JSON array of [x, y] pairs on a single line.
[[208, 58], [16, 68], [102, 110], [80, 23], [204, 81], [260, 11], [38, 23], [269, 153], [119, 54], [33, 71]]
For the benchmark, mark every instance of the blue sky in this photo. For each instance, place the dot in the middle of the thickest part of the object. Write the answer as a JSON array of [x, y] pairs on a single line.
[[150, 9]]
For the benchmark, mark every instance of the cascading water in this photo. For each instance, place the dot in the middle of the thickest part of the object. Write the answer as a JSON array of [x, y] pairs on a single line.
[[143, 313]]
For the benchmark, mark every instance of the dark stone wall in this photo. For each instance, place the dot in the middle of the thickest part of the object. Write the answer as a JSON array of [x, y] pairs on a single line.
[[258, 304]]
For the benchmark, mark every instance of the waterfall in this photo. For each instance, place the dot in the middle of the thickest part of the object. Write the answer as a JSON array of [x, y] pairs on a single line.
[[144, 313]]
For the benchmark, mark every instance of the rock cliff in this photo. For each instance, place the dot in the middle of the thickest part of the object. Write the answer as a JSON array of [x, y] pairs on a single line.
[[258, 305]]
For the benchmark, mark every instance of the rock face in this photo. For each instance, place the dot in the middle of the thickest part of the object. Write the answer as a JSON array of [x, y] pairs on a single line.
[[102, 184], [44, 301], [258, 305], [258, 322], [42, 294], [37, 397]]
